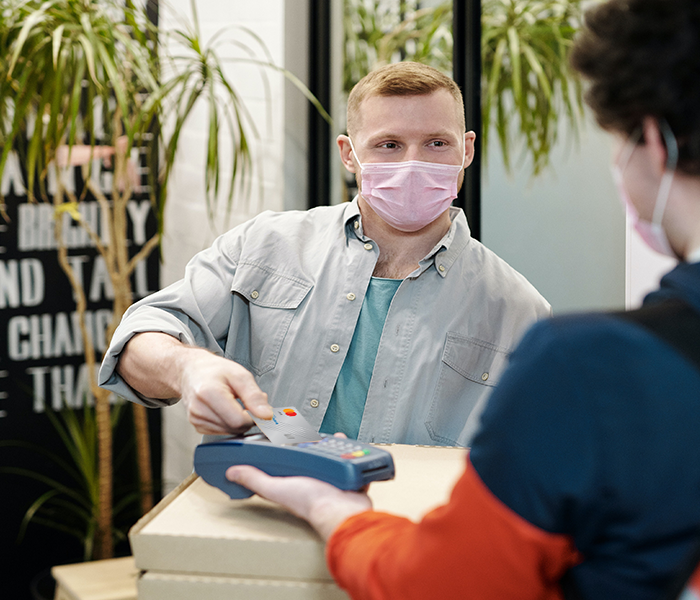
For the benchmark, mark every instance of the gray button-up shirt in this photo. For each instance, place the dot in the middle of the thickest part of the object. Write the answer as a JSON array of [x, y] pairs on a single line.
[[281, 295]]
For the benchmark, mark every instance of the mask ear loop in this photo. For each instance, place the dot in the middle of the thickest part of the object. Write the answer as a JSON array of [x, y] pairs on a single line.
[[628, 150], [464, 151], [352, 146], [671, 163]]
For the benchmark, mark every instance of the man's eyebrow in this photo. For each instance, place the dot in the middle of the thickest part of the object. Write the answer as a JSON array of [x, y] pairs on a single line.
[[445, 133]]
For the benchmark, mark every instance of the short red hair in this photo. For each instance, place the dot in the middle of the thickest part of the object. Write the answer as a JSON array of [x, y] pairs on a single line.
[[400, 79]]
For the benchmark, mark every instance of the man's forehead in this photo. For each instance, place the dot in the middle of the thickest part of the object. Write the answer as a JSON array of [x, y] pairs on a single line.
[[436, 113]]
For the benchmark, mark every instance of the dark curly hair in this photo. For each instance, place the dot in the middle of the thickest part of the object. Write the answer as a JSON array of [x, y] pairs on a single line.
[[642, 58]]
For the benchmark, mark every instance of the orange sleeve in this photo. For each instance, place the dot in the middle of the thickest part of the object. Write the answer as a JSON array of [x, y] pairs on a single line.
[[694, 583], [474, 545]]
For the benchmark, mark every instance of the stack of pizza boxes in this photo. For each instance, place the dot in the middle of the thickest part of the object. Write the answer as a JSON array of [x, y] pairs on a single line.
[[199, 543]]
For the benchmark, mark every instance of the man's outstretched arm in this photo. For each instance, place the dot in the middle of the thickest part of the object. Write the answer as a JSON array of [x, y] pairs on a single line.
[[159, 366]]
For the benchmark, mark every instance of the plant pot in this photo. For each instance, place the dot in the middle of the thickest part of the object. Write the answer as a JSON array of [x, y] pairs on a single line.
[[43, 586]]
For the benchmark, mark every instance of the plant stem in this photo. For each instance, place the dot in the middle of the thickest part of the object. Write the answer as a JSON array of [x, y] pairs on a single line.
[[143, 453], [104, 548]]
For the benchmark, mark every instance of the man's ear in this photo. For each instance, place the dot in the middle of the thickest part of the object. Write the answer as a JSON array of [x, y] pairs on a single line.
[[469, 138], [346, 153], [654, 145]]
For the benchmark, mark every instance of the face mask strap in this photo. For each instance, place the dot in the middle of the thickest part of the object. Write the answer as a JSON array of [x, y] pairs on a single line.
[[628, 150], [352, 146], [667, 180]]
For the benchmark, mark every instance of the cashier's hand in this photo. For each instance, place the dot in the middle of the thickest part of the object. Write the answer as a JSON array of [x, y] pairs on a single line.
[[320, 503], [210, 386]]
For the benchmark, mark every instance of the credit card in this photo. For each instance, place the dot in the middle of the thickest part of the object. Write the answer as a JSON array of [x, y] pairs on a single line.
[[287, 426]]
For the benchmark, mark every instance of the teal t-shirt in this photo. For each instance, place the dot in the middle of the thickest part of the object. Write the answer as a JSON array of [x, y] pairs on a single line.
[[350, 393]]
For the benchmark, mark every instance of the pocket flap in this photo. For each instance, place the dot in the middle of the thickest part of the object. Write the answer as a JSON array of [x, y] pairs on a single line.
[[475, 359], [265, 287]]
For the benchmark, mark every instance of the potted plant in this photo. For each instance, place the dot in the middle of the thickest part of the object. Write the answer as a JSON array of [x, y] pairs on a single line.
[[86, 80]]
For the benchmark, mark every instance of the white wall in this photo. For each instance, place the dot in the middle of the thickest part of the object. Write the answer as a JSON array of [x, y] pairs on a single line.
[[187, 227], [296, 107], [644, 269], [564, 230]]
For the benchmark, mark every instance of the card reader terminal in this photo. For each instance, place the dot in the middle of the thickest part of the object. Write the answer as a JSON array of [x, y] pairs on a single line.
[[347, 464]]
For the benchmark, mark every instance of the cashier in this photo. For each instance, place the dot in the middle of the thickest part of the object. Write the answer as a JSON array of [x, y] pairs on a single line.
[[381, 318], [584, 478]]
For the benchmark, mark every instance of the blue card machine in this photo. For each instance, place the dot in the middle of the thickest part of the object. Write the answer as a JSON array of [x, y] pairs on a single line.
[[347, 464]]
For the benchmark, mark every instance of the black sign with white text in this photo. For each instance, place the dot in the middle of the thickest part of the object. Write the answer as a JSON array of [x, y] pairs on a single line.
[[42, 362]]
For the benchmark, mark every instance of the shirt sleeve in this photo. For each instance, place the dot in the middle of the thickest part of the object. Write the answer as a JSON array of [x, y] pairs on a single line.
[[474, 544], [195, 310]]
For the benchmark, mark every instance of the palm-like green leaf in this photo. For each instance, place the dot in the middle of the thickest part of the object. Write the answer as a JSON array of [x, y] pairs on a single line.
[[376, 33], [526, 81], [530, 86], [61, 53], [70, 504]]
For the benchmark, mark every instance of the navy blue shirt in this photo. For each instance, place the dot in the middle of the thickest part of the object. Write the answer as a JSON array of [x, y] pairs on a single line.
[[594, 432]]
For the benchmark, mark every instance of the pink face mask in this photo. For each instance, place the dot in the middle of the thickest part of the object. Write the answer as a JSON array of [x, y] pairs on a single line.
[[411, 194], [651, 232]]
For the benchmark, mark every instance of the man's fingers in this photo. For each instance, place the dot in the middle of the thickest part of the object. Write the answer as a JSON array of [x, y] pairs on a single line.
[[215, 410], [246, 389], [261, 410], [208, 422], [212, 387]]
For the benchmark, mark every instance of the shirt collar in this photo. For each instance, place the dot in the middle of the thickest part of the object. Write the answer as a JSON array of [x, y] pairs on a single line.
[[443, 254], [353, 219], [448, 249]]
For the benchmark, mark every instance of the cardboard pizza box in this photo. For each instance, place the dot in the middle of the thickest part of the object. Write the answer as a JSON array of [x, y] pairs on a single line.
[[198, 539], [111, 579]]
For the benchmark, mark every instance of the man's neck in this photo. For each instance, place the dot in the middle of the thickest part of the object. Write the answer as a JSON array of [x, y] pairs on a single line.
[[399, 251]]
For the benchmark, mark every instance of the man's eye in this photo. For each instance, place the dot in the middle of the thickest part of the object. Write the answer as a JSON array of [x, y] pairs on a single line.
[[438, 143], [390, 145]]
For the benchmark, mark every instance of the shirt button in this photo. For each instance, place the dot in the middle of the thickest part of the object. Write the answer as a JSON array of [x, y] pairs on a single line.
[[441, 268], [356, 225], [254, 294], [350, 296], [368, 246], [335, 347], [314, 403], [484, 376]]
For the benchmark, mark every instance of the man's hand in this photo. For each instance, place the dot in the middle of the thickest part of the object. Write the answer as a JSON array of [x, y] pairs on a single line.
[[159, 366], [320, 503], [209, 386]]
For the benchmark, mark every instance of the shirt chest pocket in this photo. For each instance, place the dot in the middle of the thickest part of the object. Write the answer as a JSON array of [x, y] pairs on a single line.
[[469, 369], [264, 305]]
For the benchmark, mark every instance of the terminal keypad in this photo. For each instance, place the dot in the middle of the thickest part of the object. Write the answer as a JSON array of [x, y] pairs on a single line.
[[336, 446]]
